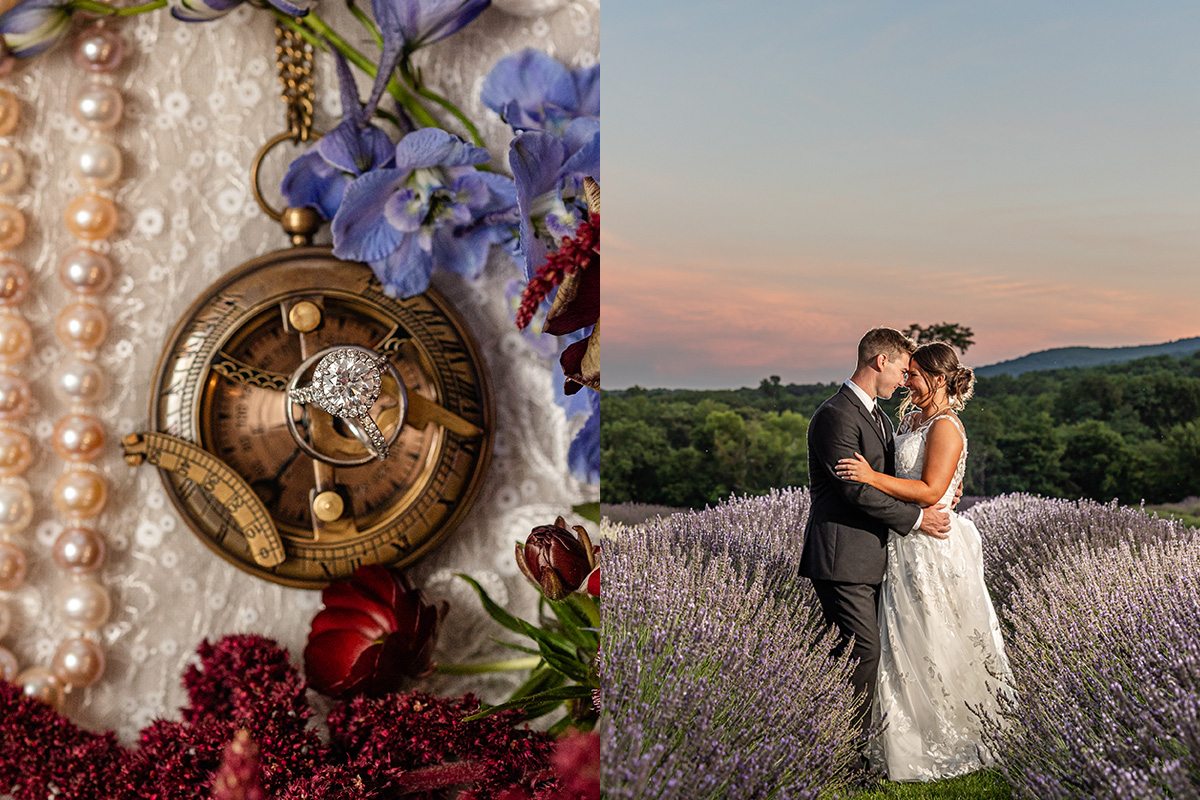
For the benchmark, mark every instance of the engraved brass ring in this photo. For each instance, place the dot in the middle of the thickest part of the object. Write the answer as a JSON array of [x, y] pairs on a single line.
[[346, 383]]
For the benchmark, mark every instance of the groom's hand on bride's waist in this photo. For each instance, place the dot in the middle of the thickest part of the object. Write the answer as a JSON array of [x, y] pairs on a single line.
[[935, 522]]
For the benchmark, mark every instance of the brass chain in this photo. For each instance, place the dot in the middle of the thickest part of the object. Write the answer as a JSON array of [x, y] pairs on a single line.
[[294, 60]]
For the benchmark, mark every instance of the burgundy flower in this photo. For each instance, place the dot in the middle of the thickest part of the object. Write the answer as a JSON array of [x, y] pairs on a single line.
[[239, 777], [374, 631], [557, 560]]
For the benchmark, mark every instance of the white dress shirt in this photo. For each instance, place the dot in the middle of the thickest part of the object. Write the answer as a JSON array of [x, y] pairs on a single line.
[[871, 404]]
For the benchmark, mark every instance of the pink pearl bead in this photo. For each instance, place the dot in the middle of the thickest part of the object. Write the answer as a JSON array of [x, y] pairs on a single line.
[[10, 112], [85, 271], [41, 684], [80, 494], [91, 217], [16, 340], [8, 666], [14, 282], [99, 49], [16, 452], [82, 326], [12, 226], [78, 437], [79, 550], [5, 620], [12, 566], [14, 396], [78, 662], [12, 170]]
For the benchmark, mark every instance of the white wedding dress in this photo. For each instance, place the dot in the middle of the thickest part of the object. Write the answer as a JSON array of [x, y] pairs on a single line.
[[941, 645]]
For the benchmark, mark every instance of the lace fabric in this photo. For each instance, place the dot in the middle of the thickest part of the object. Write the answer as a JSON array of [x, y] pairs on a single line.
[[200, 101], [942, 654]]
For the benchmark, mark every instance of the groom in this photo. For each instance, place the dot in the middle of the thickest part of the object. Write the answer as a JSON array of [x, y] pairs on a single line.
[[845, 541]]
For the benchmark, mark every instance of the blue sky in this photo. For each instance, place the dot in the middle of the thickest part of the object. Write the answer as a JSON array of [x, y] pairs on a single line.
[[778, 177]]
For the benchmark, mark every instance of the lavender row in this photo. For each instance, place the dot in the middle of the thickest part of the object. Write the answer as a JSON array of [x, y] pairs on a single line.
[[714, 665], [1023, 533]]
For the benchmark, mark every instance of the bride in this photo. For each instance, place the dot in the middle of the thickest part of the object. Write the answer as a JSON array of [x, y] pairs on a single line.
[[941, 643]]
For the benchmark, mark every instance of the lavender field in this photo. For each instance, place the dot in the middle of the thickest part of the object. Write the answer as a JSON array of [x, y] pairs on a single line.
[[717, 682]]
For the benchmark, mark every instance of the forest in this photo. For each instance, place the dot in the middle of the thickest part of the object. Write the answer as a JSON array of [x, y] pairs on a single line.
[[1128, 431]]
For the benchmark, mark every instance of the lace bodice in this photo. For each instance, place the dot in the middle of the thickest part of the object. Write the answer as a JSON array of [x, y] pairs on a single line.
[[910, 450]]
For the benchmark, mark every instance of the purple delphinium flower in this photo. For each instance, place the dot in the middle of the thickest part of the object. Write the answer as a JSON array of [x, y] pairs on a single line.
[[432, 208], [205, 10], [714, 665], [583, 456], [533, 91], [408, 25], [32, 27], [549, 172], [318, 179]]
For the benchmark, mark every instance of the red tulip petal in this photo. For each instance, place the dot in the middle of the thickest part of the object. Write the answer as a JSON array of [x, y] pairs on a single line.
[[381, 582], [330, 658], [347, 619], [593, 582], [342, 594]]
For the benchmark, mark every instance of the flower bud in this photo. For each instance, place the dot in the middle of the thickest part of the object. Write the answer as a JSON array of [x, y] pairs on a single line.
[[33, 26], [557, 560]]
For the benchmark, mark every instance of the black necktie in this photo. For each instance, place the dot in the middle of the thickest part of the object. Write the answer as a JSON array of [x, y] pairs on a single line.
[[879, 421]]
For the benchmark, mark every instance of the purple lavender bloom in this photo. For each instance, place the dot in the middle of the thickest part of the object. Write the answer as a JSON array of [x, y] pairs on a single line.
[[205, 10], [716, 678], [549, 173], [533, 91], [409, 25], [432, 208], [318, 179], [32, 27], [1102, 610]]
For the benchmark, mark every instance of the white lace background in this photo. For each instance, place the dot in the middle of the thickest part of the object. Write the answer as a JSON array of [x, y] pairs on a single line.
[[200, 101]]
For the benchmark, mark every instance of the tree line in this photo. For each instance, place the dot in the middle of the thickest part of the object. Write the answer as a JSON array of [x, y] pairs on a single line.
[[1129, 431]]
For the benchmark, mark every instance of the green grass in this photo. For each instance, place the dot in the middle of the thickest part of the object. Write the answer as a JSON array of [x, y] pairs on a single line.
[[982, 785]]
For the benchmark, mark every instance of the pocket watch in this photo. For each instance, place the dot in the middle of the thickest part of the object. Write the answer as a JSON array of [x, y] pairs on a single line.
[[259, 457]]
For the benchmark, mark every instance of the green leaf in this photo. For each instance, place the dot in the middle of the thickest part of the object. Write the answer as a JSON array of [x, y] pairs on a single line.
[[545, 639], [557, 696], [590, 511], [539, 680]]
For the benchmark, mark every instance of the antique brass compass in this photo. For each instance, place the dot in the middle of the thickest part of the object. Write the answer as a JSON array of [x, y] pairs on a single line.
[[306, 423]]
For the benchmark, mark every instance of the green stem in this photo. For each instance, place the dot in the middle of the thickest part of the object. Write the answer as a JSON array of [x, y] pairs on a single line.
[[367, 22], [511, 664], [105, 9], [417, 86], [313, 28]]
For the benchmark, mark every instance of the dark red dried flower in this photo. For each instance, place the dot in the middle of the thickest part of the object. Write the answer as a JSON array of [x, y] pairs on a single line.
[[555, 559], [374, 631]]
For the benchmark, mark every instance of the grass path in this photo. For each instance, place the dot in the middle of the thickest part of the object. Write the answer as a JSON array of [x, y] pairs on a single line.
[[983, 785]]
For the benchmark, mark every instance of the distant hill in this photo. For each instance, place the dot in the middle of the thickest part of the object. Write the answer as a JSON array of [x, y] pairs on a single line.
[[1061, 357]]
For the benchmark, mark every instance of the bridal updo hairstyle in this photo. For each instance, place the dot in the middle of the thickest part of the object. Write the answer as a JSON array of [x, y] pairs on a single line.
[[939, 358]]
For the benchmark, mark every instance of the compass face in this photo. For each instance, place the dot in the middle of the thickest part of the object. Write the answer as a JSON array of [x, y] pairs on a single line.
[[222, 385]]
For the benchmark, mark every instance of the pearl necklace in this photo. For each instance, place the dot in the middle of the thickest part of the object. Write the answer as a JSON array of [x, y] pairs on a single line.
[[80, 492]]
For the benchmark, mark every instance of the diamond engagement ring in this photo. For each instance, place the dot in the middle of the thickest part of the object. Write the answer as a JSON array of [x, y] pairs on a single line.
[[346, 384]]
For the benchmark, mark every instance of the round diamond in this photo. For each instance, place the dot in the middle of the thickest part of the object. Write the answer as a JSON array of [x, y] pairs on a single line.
[[350, 381]]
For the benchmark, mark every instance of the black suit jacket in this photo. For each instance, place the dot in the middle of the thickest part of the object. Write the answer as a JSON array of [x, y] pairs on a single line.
[[848, 523]]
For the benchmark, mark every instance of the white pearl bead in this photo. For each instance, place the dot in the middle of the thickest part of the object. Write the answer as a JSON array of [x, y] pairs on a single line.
[[79, 381], [83, 605], [12, 170], [41, 684], [16, 507], [98, 106], [96, 163]]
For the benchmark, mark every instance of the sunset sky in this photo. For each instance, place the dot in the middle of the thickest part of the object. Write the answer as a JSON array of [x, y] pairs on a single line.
[[778, 177]]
